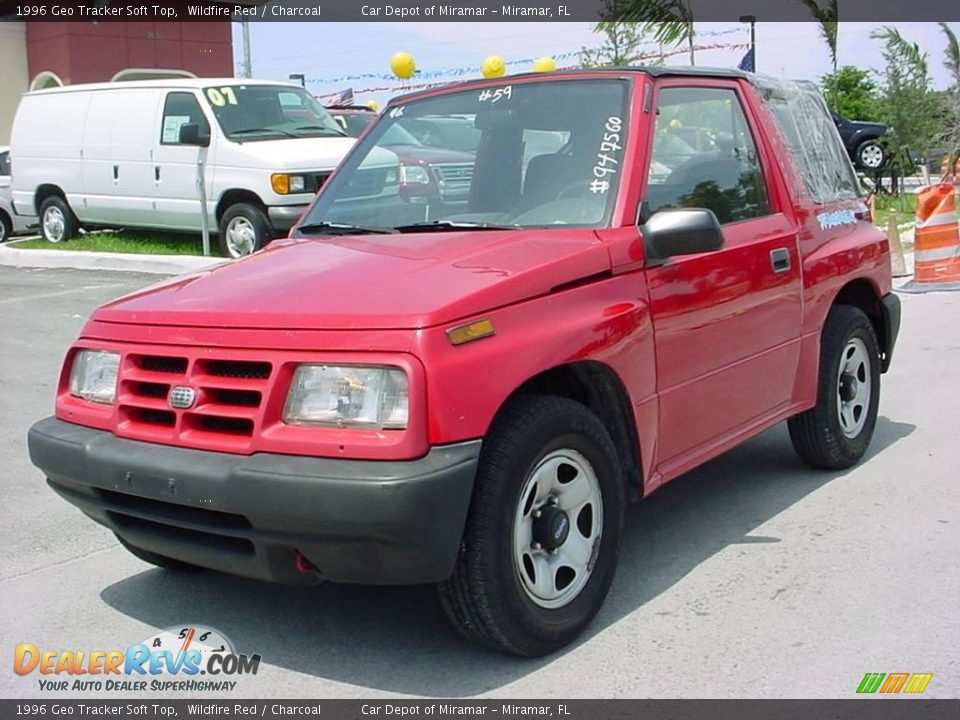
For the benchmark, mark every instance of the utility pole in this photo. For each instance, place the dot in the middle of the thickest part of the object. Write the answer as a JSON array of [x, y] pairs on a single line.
[[247, 67]]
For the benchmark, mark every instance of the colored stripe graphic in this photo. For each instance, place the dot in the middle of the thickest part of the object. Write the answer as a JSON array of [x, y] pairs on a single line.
[[870, 682], [894, 683], [918, 682]]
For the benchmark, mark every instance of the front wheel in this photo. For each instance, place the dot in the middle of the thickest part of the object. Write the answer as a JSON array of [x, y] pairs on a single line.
[[244, 229], [57, 221], [871, 155], [544, 530], [836, 433]]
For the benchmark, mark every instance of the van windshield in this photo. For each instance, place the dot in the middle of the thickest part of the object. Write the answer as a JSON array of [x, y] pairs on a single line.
[[268, 112], [522, 154]]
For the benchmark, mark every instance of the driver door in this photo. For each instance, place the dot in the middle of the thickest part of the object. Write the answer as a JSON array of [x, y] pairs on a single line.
[[175, 165], [726, 323]]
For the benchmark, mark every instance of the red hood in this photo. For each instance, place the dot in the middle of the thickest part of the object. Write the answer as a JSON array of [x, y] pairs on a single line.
[[369, 282]]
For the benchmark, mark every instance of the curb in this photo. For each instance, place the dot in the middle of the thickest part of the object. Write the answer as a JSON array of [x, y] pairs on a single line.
[[87, 260]]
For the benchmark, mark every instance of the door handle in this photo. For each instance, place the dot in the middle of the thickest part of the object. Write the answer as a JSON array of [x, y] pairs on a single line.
[[780, 260], [116, 172], [156, 173]]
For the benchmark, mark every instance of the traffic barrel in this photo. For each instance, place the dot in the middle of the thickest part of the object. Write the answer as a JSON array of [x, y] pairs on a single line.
[[936, 256]]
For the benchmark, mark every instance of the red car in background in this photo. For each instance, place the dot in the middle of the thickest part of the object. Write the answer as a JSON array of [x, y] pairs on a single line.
[[436, 156]]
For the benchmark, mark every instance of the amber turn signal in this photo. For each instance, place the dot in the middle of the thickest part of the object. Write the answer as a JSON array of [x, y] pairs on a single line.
[[471, 331]]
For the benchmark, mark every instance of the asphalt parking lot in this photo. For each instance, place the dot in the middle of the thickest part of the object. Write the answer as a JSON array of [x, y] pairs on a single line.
[[750, 577]]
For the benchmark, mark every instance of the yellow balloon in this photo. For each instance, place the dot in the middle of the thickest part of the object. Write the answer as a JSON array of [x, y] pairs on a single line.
[[493, 67], [544, 64], [373, 105], [403, 65]]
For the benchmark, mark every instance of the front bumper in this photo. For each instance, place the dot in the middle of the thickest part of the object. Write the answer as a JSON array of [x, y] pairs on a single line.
[[357, 521], [890, 307], [282, 217]]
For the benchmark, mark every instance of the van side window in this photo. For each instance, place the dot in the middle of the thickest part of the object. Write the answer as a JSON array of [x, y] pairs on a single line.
[[179, 109], [704, 156]]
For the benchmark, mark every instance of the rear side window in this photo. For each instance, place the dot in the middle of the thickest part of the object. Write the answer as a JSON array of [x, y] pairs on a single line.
[[811, 135], [704, 156], [179, 109]]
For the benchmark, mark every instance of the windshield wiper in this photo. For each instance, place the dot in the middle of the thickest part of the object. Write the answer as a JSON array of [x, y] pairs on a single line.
[[335, 228], [432, 225], [324, 130], [246, 131]]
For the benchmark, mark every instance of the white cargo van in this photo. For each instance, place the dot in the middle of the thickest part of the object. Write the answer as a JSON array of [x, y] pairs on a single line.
[[125, 154]]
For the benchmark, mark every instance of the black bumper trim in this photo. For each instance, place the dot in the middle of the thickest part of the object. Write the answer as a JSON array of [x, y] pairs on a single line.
[[890, 304], [358, 521]]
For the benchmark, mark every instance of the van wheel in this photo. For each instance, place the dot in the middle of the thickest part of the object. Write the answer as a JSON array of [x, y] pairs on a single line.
[[543, 534], [57, 221], [6, 227], [244, 229], [836, 433], [163, 561]]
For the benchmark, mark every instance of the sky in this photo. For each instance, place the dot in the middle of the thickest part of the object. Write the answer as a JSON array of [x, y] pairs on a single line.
[[327, 52]]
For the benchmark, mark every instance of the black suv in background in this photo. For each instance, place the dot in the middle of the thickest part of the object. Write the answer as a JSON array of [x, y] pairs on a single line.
[[863, 142]]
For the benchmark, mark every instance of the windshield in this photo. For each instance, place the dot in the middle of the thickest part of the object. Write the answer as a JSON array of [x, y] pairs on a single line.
[[546, 153], [268, 112], [353, 123]]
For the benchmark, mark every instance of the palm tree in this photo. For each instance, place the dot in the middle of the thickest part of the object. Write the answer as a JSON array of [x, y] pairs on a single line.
[[952, 63], [910, 51], [827, 17], [669, 22]]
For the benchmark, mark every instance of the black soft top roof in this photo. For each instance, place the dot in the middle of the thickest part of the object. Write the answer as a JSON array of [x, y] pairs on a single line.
[[651, 70]]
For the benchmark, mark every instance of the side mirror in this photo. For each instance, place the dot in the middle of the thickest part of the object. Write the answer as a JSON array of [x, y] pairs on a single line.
[[190, 134], [686, 231]]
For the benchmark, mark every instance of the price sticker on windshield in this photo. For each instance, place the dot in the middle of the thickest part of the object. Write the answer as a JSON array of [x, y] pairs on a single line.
[[496, 95], [221, 96], [608, 156]]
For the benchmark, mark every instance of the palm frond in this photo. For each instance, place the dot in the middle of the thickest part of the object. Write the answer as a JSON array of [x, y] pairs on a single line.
[[827, 17], [952, 60], [911, 51]]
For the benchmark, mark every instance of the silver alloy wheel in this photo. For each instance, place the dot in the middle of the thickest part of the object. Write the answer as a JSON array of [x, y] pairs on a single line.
[[54, 224], [871, 156], [241, 237], [854, 385], [557, 528]]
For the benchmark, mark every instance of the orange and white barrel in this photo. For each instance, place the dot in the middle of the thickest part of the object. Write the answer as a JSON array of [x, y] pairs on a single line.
[[936, 259]]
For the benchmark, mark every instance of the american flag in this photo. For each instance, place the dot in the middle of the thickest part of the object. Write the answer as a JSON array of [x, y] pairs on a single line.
[[344, 97]]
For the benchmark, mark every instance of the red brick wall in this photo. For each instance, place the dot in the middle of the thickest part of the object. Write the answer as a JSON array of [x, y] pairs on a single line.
[[80, 52]]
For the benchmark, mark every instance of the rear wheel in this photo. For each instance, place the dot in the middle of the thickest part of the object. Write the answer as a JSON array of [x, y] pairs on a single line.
[[57, 221], [244, 229], [6, 227], [544, 530], [163, 561], [836, 433]]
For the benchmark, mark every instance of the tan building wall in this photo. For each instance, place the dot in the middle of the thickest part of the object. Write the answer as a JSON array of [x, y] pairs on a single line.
[[14, 78]]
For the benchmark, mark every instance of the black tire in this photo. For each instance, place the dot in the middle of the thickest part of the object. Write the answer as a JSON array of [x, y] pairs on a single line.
[[818, 434], [68, 223], [245, 217], [6, 227], [484, 597], [870, 155], [167, 563]]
